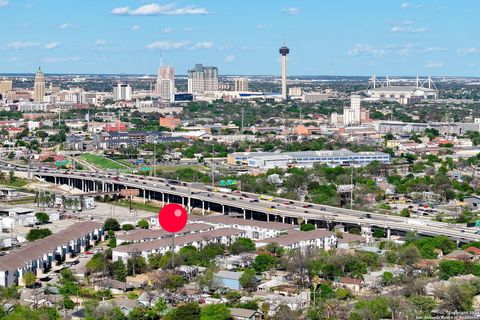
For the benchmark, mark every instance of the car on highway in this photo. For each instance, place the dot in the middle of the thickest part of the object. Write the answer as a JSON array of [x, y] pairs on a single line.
[[305, 211], [323, 209], [224, 196], [254, 200], [173, 188], [273, 207]]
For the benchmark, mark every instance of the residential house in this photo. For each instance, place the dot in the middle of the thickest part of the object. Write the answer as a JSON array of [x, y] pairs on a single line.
[[228, 279], [244, 314]]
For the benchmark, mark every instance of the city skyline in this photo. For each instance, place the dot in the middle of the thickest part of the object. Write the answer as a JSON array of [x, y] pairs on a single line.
[[398, 38]]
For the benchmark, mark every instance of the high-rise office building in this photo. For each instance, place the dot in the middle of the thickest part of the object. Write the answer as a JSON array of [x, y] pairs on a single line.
[[201, 79], [39, 87], [351, 115], [5, 86], [241, 84], [122, 92], [165, 88]]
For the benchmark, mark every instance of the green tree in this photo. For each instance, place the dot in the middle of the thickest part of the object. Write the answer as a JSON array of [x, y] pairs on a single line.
[[136, 265], [35, 234], [119, 270], [423, 305], [405, 213], [354, 230], [111, 224], [372, 309], [143, 224], [456, 296], [29, 279], [68, 303], [188, 311], [408, 255], [242, 245], [248, 280], [42, 217], [450, 268], [128, 227], [378, 233], [215, 312], [263, 262], [387, 278], [307, 227], [97, 263], [275, 249]]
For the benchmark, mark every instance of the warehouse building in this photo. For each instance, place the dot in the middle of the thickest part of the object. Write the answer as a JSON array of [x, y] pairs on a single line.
[[269, 160]]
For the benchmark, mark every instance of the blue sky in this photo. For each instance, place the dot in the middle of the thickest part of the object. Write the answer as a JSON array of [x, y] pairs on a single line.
[[348, 37]]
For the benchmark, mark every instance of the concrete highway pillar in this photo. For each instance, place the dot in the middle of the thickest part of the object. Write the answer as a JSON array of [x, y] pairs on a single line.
[[388, 233], [149, 196], [55, 180], [268, 217], [83, 185], [103, 186], [163, 198], [144, 199], [223, 209], [283, 219], [293, 221], [203, 208], [244, 214]]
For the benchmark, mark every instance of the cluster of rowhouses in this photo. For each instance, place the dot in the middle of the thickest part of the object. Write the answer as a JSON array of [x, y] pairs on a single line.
[[225, 230], [47, 254]]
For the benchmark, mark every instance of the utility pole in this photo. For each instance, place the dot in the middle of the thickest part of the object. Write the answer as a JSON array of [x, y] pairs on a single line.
[[213, 165], [242, 119], [352, 187], [154, 157]]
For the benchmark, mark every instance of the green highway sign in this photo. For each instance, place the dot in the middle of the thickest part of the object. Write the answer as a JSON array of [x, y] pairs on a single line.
[[146, 169], [226, 183], [62, 163]]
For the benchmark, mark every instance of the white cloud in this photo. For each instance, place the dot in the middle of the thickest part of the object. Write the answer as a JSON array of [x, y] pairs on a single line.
[[67, 25], [405, 5], [230, 58], [167, 30], [419, 6], [203, 45], [403, 49], [366, 50], [408, 29], [60, 59], [17, 45], [167, 45], [156, 9], [261, 26], [121, 10], [135, 28], [434, 49], [3, 3], [51, 45], [101, 42], [187, 29], [467, 51], [434, 64], [13, 59], [291, 10]]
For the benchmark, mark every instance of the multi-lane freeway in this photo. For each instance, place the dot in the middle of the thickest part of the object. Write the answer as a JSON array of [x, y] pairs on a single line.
[[251, 206]]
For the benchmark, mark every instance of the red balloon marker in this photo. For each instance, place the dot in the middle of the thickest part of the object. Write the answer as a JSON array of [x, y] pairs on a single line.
[[173, 217]]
